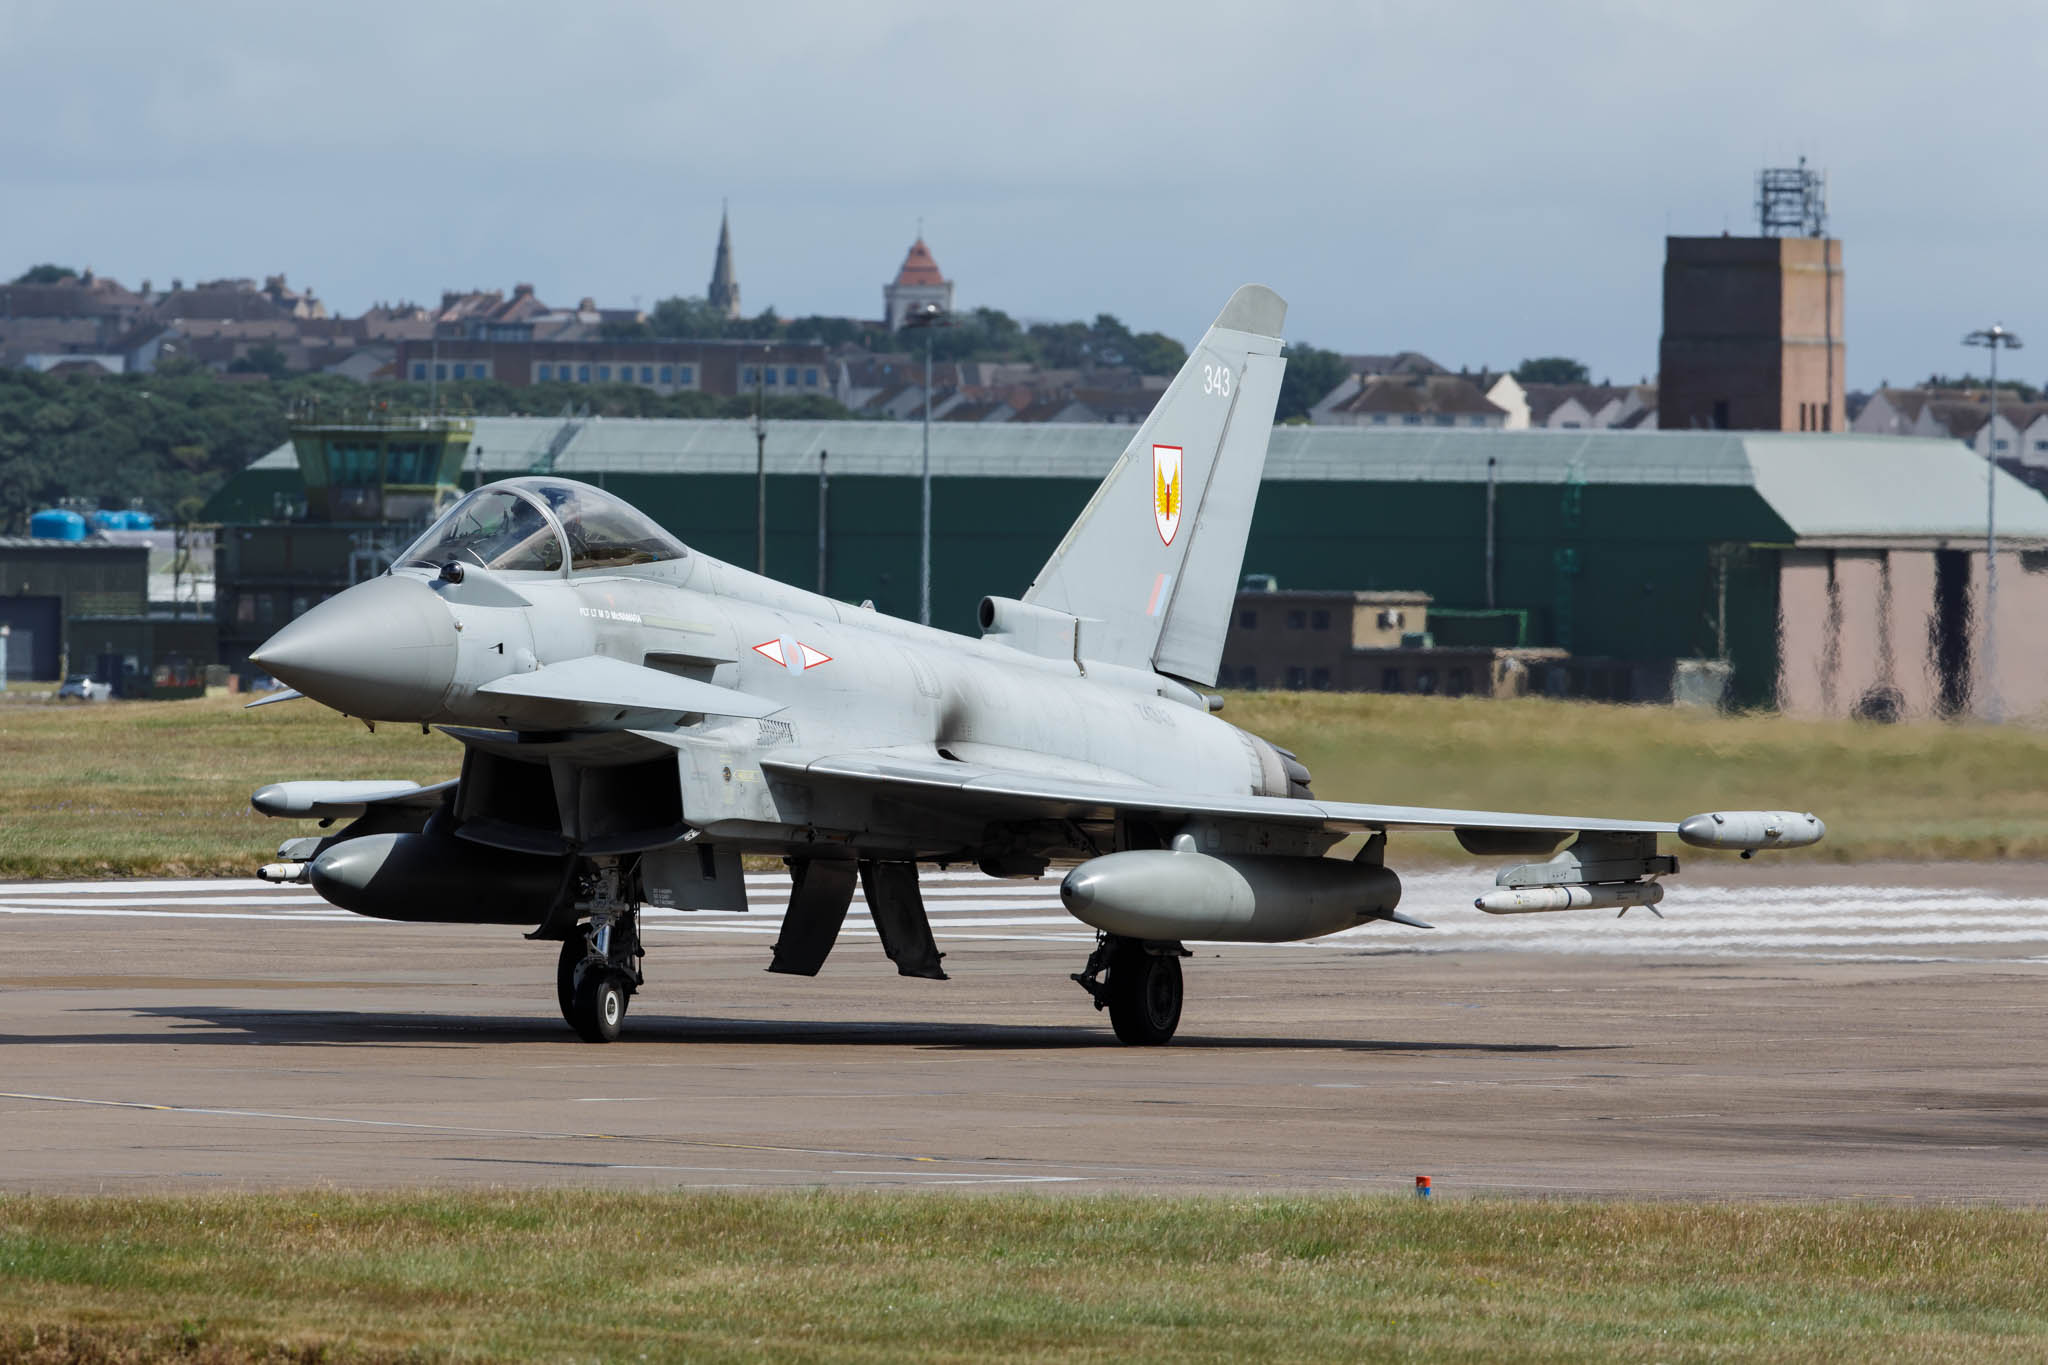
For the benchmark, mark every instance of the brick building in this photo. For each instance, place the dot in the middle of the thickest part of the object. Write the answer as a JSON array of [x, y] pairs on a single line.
[[785, 369], [1752, 334]]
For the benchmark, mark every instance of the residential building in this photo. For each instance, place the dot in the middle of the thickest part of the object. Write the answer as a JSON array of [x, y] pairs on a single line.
[[1592, 407], [778, 369], [1422, 400]]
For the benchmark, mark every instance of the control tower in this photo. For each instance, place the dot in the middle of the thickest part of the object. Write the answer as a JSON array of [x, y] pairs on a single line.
[[1753, 325]]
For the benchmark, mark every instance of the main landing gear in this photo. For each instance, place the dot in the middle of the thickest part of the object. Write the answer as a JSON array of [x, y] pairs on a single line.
[[1143, 989], [599, 967]]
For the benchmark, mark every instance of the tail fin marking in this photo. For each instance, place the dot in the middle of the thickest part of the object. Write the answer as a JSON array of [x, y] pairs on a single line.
[[1151, 565]]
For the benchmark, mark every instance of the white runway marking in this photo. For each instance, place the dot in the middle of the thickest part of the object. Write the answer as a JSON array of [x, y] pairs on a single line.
[[1843, 922]]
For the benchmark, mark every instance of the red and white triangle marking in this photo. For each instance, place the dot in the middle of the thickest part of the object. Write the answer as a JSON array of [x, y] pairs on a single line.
[[807, 657]]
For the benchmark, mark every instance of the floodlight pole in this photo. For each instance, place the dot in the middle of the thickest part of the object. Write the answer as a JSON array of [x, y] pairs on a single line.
[[760, 471], [928, 316], [1991, 338]]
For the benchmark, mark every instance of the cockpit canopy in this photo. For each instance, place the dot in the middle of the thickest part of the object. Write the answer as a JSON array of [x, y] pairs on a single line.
[[524, 525]]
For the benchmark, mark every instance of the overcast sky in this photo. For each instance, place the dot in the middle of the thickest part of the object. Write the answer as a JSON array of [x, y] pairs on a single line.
[[1481, 181]]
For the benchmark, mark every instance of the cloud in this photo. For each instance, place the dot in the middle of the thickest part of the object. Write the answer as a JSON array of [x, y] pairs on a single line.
[[1482, 180]]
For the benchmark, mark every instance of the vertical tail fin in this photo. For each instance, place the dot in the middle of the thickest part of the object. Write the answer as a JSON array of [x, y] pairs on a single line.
[[1151, 567]]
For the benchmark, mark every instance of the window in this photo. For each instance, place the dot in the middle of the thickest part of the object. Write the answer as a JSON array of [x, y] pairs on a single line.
[[1425, 681], [603, 532], [2000, 444], [245, 610], [351, 464], [2041, 445], [749, 374], [1570, 426], [440, 372], [410, 464], [547, 372], [1460, 684], [583, 374], [493, 529], [479, 370], [647, 374], [771, 376], [1297, 677], [685, 374], [1390, 680], [604, 374], [1379, 419], [1444, 419], [1297, 620], [810, 379], [789, 376], [419, 369], [668, 374], [1411, 419], [1248, 619], [1319, 619], [1320, 680], [1720, 414]]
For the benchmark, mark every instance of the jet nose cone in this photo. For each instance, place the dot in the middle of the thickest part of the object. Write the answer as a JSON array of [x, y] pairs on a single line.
[[383, 650]]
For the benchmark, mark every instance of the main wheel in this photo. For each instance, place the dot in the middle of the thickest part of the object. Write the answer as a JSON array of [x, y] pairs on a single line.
[[600, 1004], [1144, 996], [574, 948]]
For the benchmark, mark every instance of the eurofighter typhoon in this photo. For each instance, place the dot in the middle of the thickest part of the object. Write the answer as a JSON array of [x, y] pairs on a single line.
[[635, 716]]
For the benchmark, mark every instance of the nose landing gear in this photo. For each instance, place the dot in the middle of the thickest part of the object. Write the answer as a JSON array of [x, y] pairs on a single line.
[[599, 967], [1143, 990]]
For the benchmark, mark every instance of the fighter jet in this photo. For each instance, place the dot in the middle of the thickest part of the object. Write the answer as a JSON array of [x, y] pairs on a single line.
[[635, 716]]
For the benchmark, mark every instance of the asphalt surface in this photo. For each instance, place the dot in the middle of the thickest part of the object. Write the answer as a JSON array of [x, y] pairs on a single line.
[[1788, 1030]]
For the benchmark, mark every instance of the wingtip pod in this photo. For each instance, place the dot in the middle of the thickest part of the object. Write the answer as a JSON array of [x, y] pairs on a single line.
[[1255, 309], [1750, 830]]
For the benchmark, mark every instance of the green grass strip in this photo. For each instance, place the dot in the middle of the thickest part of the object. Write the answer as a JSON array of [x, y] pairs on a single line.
[[565, 1275]]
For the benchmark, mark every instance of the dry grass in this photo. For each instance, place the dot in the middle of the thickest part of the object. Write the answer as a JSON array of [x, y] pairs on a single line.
[[584, 1275], [1923, 791], [161, 788]]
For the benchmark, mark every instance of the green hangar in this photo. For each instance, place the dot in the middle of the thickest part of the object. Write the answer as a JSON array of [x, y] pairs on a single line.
[[1836, 574]]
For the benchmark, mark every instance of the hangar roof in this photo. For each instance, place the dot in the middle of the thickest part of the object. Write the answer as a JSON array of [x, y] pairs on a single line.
[[1839, 487]]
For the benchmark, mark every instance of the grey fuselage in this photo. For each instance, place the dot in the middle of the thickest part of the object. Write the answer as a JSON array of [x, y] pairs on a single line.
[[850, 679]]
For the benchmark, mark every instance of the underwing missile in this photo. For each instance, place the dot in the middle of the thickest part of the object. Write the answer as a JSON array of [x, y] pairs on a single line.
[[1525, 900]]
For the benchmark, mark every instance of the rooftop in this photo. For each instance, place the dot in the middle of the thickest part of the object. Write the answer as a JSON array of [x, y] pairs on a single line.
[[1826, 488], [919, 267]]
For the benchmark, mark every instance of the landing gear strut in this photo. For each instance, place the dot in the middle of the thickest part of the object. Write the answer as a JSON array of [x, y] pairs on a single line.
[[1143, 989], [599, 967]]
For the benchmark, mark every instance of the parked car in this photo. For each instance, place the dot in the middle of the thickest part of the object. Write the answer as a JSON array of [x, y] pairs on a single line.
[[81, 687]]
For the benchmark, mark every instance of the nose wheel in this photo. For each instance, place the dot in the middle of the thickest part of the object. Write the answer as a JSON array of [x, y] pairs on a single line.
[[595, 977], [1142, 988]]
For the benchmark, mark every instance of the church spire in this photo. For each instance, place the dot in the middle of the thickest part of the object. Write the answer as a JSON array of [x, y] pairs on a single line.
[[724, 293]]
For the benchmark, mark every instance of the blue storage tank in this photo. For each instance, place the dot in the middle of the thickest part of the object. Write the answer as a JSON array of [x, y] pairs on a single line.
[[103, 520], [57, 523], [141, 521]]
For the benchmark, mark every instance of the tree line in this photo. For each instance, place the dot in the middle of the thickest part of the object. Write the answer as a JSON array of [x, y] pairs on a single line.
[[974, 334], [170, 439]]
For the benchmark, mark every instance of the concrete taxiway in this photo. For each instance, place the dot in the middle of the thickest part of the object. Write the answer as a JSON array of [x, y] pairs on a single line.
[[1796, 1030]]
